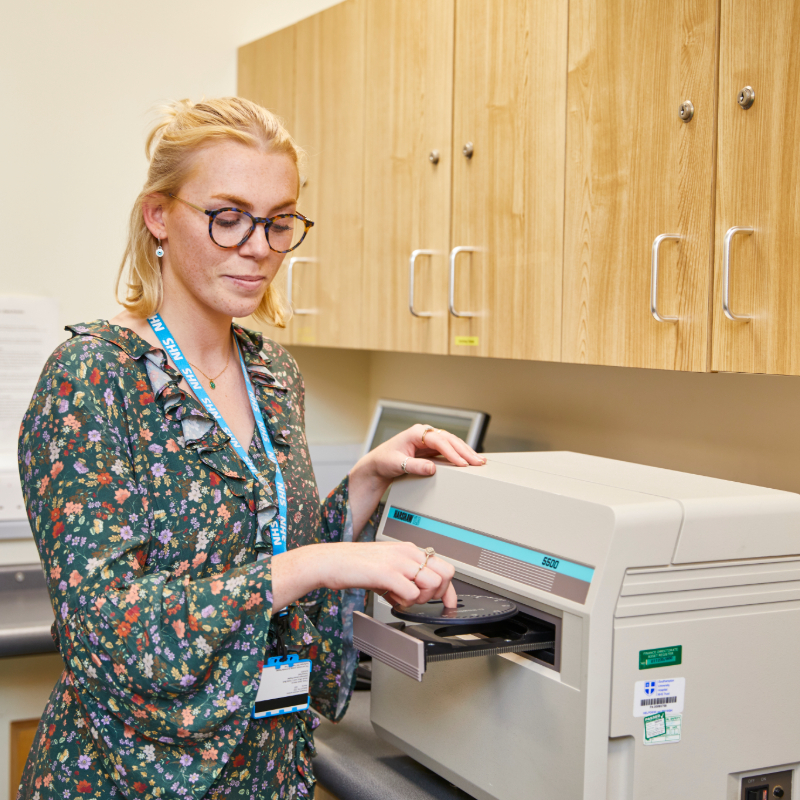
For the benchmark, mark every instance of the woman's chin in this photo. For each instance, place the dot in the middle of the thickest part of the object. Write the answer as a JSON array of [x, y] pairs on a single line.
[[242, 310]]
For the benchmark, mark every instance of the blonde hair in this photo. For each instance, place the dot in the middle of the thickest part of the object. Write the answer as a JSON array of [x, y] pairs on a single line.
[[184, 128]]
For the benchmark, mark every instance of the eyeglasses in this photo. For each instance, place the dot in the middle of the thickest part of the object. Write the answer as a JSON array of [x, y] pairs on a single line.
[[232, 227]]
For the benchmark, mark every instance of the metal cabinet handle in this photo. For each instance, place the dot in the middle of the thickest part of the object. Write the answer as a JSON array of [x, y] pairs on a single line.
[[451, 299], [654, 277], [726, 274], [289, 272], [411, 263]]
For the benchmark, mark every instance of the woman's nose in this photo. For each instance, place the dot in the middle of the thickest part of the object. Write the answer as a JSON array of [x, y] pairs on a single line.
[[256, 245]]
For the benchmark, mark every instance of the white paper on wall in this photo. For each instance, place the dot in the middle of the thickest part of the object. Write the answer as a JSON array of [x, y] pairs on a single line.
[[29, 332]]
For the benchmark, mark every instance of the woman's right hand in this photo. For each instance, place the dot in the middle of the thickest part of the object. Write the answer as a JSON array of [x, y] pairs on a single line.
[[392, 569]]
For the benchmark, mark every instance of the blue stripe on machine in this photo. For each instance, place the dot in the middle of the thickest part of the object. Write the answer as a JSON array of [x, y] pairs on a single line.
[[553, 563]]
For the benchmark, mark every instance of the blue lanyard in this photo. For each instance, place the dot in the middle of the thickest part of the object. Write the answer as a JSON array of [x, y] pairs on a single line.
[[277, 528]]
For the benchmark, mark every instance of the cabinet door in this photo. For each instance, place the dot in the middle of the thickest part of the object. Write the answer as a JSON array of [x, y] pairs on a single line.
[[409, 88], [636, 171], [758, 180], [329, 113], [21, 736], [508, 197], [266, 75]]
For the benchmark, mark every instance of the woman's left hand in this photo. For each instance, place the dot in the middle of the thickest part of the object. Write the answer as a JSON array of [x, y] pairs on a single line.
[[410, 452]]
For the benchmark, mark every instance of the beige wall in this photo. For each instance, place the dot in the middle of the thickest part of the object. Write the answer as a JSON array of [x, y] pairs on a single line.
[[740, 427], [79, 82]]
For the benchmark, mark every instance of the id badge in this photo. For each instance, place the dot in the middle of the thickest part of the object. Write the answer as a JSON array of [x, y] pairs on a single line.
[[284, 686]]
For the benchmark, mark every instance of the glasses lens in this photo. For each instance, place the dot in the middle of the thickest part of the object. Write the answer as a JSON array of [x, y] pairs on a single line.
[[286, 232], [230, 227]]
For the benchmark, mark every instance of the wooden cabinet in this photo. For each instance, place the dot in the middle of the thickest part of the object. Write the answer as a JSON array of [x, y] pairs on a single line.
[[407, 173], [758, 188], [312, 75], [547, 148], [508, 197], [635, 171], [329, 124], [21, 735], [267, 77], [439, 76]]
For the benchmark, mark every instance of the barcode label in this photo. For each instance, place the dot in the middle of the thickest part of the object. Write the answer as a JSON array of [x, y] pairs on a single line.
[[658, 701], [659, 694]]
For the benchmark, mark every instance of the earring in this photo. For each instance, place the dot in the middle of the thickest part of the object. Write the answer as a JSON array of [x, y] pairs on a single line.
[[159, 249]]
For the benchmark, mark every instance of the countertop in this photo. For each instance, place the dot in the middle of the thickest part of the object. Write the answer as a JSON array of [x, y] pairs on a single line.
[[25, 611], [355, 764]]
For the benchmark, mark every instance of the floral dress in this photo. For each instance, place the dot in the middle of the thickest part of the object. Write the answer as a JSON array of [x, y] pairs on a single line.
[[146, 519]]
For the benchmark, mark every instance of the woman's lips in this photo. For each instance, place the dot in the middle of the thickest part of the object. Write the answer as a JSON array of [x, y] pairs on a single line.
[[246, 282]]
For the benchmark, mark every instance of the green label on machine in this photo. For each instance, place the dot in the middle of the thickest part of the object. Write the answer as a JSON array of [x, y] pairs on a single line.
[[660, 657], [655, 725]]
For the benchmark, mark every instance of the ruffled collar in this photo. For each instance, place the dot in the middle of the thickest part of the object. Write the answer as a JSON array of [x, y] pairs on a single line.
[[201, 432]]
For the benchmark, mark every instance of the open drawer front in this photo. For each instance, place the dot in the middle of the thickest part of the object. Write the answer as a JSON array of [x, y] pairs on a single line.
[[409, 648]]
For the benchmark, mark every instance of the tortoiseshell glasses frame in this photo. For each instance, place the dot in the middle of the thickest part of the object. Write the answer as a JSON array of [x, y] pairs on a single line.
[[268, 222]]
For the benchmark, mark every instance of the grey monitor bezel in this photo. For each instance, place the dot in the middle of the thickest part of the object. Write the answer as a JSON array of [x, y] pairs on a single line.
[[478, 419]]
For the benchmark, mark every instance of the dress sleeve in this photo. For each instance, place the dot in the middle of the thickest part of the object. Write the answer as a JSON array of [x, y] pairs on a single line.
[[334, 673], [166, 654]]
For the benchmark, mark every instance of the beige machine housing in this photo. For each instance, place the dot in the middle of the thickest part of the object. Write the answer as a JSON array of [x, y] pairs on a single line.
[[679, 560]]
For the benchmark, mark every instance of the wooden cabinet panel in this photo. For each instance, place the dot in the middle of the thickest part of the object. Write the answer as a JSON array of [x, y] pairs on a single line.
[[635, 170], [266, 75], [21, 734], [408, 96], [758, 180], [329, 114], [508, 199]]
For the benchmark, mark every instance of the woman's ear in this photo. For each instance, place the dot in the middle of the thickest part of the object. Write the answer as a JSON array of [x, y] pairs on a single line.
[[153, 213]]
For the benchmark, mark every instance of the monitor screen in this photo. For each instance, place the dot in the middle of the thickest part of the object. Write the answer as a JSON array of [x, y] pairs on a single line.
[[393, 416]]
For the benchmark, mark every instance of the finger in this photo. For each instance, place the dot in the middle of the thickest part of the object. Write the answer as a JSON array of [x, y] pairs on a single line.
[[403, 593], [441, 591], [456, 450], [433, 583], [450, 598], [420, 466], [442, 445], [427, 586], [463, 449], [444, 569]]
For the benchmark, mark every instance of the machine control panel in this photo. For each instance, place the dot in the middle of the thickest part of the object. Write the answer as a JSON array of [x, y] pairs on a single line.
[[768, 786], [544, 571]]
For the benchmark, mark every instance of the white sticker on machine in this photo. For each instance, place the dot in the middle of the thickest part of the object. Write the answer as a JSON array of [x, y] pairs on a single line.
[[661, 694]]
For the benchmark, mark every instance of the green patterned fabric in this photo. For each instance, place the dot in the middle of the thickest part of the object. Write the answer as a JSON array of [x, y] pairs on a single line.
[[145, 519]]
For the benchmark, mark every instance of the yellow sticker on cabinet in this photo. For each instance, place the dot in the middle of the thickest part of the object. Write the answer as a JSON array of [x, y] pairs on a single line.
[[466, 341], [306, 336]]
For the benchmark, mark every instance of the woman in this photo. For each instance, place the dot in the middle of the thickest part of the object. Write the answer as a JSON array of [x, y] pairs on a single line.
[[162, 537]]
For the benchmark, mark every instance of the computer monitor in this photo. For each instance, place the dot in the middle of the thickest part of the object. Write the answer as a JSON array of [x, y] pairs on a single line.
[[393, 416]]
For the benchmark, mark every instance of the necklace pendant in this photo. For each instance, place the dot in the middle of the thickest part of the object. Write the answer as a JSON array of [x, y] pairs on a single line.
[[213, 385]]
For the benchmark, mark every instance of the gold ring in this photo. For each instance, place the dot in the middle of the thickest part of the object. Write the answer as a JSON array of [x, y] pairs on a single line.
[[429, 551], [429, 429]]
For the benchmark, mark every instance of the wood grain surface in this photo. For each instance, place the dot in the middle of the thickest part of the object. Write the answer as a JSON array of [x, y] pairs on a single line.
[[329, 124], [634, 171], [758, 186], [21, 734], [508, 199], [266, 75], [409, 99]]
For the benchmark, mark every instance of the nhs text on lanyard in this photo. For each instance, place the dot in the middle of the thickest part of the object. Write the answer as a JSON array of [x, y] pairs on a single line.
[[277, 528]]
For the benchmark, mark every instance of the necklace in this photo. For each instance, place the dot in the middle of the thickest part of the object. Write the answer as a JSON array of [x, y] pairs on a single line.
[[208, 377]]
